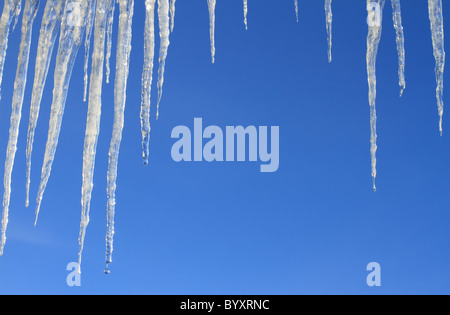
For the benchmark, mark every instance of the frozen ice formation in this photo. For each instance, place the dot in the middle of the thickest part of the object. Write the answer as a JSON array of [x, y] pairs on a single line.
[[77, 21], [329, 22], [400, 38], [120, 91], [437, 36], [375, 19], [29, 15]]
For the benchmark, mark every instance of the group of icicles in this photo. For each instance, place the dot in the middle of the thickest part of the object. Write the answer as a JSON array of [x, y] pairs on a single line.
[[75, 19]]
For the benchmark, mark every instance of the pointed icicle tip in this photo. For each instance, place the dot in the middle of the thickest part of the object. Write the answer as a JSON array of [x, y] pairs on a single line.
[[245, 14], [212, 22], [437, 36], [38, 206], [329, 26], [400, 39], [172, 15]]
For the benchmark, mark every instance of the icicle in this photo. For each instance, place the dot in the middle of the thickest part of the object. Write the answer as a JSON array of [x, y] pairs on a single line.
[[49, 29], [109, 38], [163, 19], [11, 9], [72, 29], [122, 69], [397, 17], [172, 14], [87, 44], [329, 21], [437, 32], [375, 10], [147, 75], [29, 15], [296, 9], [93, 116], [212, 23], [245, 13]]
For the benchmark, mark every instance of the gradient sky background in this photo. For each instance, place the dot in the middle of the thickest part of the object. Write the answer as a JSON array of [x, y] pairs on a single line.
[[225, 228]]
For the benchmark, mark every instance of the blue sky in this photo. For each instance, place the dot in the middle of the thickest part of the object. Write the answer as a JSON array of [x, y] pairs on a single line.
[[225, 228]]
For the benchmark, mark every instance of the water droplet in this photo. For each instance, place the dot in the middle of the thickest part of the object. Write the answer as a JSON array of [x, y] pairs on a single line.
[[107, 271]]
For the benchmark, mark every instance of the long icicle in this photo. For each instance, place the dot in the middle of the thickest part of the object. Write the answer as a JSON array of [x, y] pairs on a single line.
[[245, 13], [122, 70], [296, 9], [375, 10], [212, 26], [87, 45], [72, 29], [437, 35], [329, 22], [51, 21], [400, 39], [11, 9], [164, 32], [31, 7], [147, 75], [93, 117], [109, 39], [172, 14]]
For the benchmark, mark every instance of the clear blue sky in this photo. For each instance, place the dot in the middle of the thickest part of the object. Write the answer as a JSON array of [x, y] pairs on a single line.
[[226, 228]]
